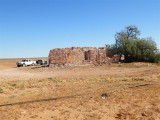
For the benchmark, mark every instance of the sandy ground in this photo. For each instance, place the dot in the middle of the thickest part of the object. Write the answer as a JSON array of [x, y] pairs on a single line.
[[130, 92]]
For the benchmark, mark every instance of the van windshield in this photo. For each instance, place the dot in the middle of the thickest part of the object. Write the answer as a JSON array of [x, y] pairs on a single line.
[[23, 60]]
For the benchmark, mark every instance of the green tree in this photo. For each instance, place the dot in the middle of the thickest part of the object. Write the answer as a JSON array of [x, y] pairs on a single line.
[[124, 41], [132, 47], [157, 58], [147, 49]]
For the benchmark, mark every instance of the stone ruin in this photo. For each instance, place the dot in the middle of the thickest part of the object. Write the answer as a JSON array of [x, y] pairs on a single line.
[[76, 56]]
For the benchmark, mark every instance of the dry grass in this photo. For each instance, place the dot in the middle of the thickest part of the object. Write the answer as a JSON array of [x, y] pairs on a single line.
[[35, 93], [8, 63]]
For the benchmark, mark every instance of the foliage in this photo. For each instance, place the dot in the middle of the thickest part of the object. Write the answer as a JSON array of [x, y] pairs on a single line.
[[157, 58], [134, 48]]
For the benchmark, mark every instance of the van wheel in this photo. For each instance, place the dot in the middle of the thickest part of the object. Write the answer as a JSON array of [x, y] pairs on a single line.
[[24, 65]]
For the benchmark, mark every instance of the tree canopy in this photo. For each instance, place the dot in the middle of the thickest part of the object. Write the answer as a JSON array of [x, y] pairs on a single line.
[[134, 48]]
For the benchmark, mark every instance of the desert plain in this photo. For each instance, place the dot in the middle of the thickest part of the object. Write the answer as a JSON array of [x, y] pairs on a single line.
[[126, 91]]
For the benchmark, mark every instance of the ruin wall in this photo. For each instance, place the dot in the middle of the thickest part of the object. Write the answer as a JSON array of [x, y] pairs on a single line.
[[77, 56]]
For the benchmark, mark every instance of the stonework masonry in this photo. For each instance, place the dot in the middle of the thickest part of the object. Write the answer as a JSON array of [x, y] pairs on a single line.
[[75, 56]]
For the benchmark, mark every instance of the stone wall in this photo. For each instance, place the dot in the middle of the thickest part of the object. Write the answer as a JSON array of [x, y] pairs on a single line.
[[66, 56], [77, 56]]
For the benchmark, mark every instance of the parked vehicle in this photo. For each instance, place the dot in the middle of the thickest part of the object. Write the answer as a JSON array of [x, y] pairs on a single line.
[[26, 62], [45, 62], [41, 62]]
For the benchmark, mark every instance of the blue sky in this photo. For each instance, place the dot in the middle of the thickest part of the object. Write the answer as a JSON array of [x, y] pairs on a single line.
[[30, 28]]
